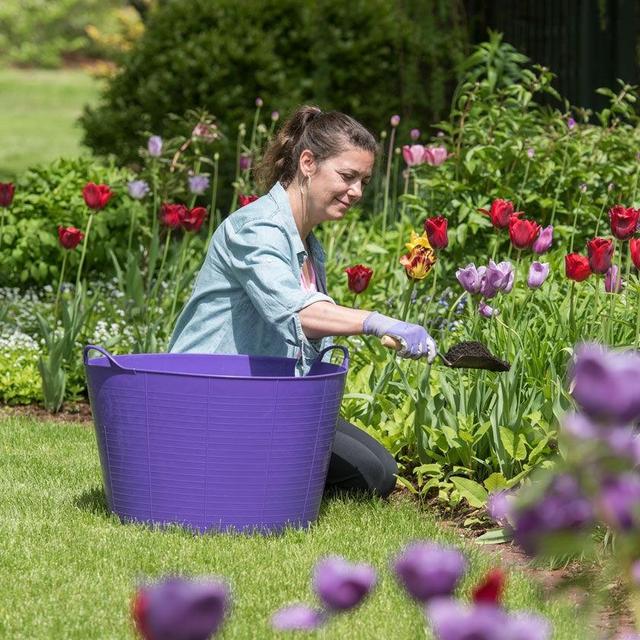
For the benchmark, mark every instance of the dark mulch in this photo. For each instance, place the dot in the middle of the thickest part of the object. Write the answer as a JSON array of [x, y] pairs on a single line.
[[70, 412]]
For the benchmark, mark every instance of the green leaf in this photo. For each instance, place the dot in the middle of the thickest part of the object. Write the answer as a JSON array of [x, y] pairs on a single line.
[[476, 495], [405, 483], [375, 248], [495, 536], [513, 443], [495, 482]]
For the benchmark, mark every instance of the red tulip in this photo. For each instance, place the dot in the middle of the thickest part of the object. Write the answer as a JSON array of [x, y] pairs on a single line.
[[194, 218], [244, 200], [634, 246], [173, 215], [358, 277], [624, 221], [436, 229], [489, 591], [70, 237], [7, 189], [96, 195], [600, 252], [522, 232], [500, 213], [577, 267]]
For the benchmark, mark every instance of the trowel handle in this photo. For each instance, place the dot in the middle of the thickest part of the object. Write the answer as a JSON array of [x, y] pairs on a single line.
[[391, 343]]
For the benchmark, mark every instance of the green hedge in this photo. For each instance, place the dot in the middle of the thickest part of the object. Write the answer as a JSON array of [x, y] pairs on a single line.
[[369, 58]]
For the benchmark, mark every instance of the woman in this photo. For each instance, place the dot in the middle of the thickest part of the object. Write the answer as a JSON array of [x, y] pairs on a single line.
[[262, 287]]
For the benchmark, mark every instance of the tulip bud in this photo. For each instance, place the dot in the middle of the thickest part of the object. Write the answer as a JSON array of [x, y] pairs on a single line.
[[96, 196], [538, 273], [414, 134], [544, 240], [358, 277], [613, 280], [395, 120], [154, 146], [7, 189], [342, 585], [577, 267], [600, 252], [436, 228]]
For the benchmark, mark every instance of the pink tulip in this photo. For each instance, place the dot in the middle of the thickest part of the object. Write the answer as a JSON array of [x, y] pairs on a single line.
[[413, 154], [435, 156]]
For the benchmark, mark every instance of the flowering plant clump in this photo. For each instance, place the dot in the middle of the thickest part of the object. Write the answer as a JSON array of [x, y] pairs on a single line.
[[597, 484]]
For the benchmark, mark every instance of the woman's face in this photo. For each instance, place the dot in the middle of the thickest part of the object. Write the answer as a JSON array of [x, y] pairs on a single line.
[[337, 183]]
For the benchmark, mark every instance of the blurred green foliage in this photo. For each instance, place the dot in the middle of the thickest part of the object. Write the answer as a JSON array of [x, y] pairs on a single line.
[[369, 58]]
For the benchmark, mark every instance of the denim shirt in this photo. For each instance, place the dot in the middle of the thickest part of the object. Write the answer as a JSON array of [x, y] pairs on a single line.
[[248, 292]]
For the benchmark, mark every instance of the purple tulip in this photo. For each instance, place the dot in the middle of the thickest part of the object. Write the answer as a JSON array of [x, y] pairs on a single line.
[[298, 617], [154, 146], [435, 156], [395, 120], [619, 501], [414, 134], [341, 585], [526, 626], [485, 310], [245, 162], [499, 506], [606, 384], [198, 184], [580, 426], [452, 620], [500, 276], [471, 277], [538, 272], [179, 609], [544, 240], [138, 189], [563, 507], [613, 280], [427, 570]]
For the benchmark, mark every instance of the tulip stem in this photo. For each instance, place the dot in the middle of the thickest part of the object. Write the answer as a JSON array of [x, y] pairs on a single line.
[[558, 186], [637, 343], [596, 304], [1, 225], [572, 317], [84, 249], [60, 281], [604, 204], [388, 178], [407, 299], [575, 221], [524, 183], [428, 303], [214, 196], [164, 258], [178, 288]]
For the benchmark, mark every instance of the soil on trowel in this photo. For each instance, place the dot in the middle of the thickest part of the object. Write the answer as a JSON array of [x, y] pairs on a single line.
[[474, 355]]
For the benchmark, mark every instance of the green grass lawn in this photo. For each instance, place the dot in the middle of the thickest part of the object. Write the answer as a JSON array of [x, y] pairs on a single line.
[[38, 112], [68, 567]]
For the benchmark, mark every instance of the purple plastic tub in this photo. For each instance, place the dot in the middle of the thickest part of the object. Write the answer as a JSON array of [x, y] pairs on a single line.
[[214, 442]]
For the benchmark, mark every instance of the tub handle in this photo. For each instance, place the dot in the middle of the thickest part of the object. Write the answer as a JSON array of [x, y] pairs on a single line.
[[318, 360], [106, 354]]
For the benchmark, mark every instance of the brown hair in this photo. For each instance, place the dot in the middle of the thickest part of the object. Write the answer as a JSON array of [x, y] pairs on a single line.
[[325, 134]]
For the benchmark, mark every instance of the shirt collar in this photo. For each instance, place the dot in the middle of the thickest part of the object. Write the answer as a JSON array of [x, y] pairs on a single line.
[[281, 198]]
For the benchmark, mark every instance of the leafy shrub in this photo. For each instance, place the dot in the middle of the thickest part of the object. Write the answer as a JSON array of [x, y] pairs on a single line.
[[35, 32], [369, 58], [51, 195], [19, 376]]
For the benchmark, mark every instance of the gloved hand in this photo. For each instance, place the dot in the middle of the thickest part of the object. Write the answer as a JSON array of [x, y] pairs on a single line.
[[415, 340]]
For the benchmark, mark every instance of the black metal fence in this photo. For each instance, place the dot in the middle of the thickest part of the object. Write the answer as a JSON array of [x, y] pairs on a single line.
[[586, 43]]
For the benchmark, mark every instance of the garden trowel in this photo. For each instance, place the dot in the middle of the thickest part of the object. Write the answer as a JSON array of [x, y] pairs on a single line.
[[469, 354]]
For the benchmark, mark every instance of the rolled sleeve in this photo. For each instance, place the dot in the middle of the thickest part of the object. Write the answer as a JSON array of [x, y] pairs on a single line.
[[258, 255]]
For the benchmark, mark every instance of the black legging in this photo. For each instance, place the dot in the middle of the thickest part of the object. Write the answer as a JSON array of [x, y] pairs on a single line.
[[360, 463]]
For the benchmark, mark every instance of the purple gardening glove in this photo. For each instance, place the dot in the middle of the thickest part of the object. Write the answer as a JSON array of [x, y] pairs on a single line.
[[416, 342]]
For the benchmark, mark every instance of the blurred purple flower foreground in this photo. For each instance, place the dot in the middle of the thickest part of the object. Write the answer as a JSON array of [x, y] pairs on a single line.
[[454, 621], [340, 585], [606, 384], [180, 609], [427, 570]]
